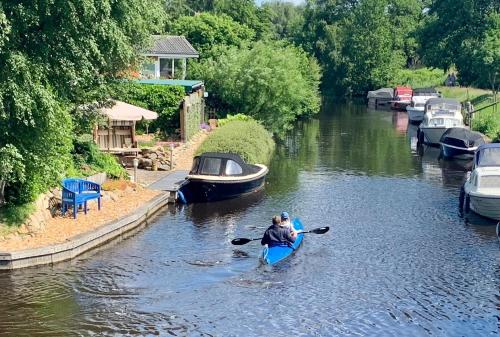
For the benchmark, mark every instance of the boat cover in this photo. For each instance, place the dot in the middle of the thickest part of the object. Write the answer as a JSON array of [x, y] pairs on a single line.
[[246, 168], [443, 104], [462, 137], [381, 93], [426, 92], [487, 155]]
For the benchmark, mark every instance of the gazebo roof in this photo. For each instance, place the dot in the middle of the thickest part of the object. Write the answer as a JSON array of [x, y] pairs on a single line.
[[171, 46], [122, 111]]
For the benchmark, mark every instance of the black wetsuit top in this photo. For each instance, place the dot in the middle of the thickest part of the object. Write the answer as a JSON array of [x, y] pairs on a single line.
[[276, 235]]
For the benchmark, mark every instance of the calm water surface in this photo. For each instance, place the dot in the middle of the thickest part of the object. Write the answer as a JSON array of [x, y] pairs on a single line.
[[398, 261]]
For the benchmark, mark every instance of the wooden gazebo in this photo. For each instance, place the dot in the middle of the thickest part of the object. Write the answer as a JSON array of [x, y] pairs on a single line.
[[118, 135]]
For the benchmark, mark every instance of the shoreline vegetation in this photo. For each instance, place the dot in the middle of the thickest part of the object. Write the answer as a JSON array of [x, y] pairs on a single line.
[[242, 135]]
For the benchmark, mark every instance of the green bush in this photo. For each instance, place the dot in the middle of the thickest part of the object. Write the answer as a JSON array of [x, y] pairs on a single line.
[[162, 99], [89, 160], [419, 78], [232, 118], [273, 82], [249, 139]]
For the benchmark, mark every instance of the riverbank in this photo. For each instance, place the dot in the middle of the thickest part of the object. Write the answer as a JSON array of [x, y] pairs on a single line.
[[485, 121], [119, 199]]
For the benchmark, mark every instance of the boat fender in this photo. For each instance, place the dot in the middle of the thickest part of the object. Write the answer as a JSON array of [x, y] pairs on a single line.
[[181, 197]]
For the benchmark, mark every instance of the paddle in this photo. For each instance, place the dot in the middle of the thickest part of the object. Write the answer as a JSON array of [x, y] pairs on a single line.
[[244, 241]]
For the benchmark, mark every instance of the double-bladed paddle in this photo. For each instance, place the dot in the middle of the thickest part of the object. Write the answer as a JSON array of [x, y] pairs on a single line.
[[244, 241]]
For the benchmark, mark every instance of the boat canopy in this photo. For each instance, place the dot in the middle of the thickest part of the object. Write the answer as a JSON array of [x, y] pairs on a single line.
[[432, 92], [221, 164], [380, 93], [462, 137], [442, 105], [487, 155]]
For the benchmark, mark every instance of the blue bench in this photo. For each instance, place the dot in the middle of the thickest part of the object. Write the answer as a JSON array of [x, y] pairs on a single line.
[[76, 193]]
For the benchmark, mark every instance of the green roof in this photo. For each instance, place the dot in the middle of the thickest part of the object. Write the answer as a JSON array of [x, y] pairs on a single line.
[[189, 85]]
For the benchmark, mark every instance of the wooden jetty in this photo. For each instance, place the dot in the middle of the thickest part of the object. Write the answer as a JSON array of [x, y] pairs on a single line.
[[171, 184]]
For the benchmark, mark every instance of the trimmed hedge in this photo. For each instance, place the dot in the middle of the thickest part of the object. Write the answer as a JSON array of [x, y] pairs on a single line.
[[249, 139]]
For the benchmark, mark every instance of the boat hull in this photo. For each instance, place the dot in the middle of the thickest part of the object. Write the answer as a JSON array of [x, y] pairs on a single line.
[[487, 206], [275, 254], [450, 151], [414, 115], [432, 135], [202, 190]]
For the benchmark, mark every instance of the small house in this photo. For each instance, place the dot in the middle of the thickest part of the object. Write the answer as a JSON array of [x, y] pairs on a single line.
[[167, 57]]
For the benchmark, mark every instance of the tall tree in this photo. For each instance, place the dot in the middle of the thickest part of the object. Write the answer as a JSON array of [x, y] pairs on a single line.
[[453, 30], [54, 56], [370, 53], [208, 31], [287, 19], [247, 13]]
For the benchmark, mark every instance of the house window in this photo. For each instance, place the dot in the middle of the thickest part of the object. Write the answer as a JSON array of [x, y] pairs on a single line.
[[211, 166], [165, 68], [148, 69], [233, 168]]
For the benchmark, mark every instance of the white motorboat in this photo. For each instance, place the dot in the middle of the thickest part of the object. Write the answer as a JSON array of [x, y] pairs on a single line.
[[416, 109], [481, 191], [440, 114]]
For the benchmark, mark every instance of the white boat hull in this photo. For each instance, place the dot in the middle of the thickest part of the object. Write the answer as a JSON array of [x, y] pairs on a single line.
[[432, 135], [487, 206]]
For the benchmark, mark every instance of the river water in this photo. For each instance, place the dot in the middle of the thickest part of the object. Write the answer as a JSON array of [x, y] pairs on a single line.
[[398, 260]]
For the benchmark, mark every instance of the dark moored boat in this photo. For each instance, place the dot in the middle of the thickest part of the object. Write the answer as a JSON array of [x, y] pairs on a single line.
[[218, 176], [460, 143]]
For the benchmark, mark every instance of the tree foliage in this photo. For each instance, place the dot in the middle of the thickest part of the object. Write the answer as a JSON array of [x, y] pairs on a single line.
[[55, 56], [272, 82], [208, 32], [454, 31], [164, 100]]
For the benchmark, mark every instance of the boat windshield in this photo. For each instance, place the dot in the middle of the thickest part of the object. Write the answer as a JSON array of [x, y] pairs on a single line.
[[448, 122], [233, 168], [211, 166], [489, 157]]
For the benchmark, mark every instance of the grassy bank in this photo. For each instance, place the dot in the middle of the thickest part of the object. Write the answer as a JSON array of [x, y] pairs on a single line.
[[247, 138], [485, 121]]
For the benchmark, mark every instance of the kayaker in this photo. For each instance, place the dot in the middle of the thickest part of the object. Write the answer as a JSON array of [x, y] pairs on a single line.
[[277, 234], [285, 222]]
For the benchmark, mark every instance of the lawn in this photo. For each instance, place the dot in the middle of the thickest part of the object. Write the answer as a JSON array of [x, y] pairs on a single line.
[[486, 121]]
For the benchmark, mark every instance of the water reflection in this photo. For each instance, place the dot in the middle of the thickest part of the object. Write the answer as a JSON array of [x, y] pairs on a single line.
[[201, 213], [400, 121]]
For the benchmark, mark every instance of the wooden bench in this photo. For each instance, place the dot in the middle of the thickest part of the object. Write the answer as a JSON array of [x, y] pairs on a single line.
[[76, 193]]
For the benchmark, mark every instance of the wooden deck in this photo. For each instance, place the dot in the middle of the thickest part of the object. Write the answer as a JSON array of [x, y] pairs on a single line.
[[170, 183]]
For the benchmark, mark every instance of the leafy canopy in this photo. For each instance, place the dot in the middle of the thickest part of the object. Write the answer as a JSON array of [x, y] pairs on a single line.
[[55, 56], [273, 82]]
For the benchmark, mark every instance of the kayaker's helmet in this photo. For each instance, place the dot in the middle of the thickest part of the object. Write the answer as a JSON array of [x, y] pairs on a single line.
[[284, 216]]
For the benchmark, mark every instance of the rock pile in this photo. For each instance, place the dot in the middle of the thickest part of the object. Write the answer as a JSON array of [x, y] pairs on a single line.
[[154, 159]]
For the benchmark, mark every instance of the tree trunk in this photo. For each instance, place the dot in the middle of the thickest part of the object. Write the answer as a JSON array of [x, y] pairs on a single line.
[[2, 189]]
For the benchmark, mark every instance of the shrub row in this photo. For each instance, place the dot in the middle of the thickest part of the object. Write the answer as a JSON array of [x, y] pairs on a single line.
[[248, 138]]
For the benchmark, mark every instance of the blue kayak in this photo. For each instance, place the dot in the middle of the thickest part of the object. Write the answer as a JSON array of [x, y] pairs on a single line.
[[275, 254]]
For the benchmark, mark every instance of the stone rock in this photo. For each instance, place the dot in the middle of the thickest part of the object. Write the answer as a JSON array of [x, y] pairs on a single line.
[[147, 163], [153, 156]]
